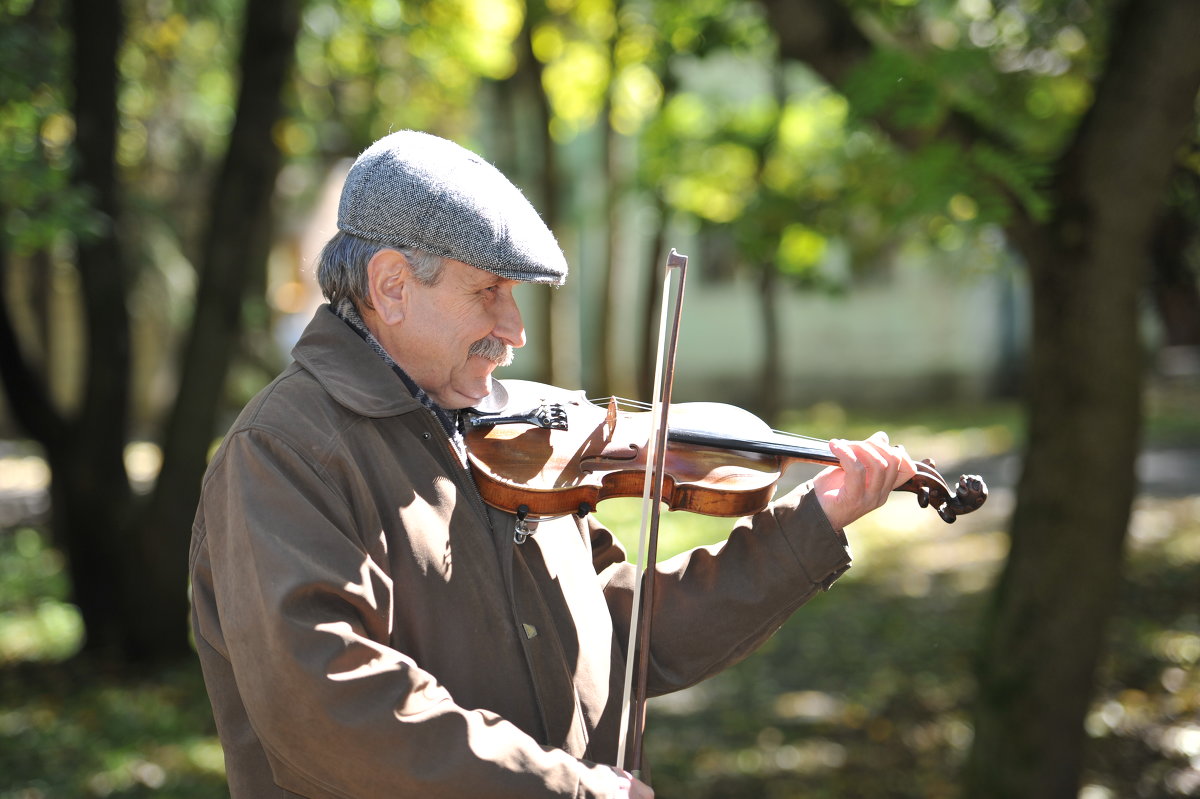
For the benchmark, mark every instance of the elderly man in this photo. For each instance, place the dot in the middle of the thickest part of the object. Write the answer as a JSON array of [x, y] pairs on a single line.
[[367, 625]]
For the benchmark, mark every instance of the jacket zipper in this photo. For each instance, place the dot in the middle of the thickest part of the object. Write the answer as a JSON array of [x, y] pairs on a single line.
[[506, 568]]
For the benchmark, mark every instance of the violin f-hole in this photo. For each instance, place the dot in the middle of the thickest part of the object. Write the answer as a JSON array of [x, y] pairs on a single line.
[[611, 454]]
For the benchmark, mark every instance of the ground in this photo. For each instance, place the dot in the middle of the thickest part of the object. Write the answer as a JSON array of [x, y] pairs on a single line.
[[864, 693]]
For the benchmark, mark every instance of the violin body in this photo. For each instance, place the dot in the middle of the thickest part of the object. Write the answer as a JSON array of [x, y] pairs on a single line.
[[601, 454], [552, 452]]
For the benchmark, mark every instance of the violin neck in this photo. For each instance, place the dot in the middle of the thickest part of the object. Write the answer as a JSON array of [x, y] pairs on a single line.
[[809, 452]]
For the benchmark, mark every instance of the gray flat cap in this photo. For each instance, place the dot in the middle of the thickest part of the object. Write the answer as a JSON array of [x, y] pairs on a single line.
[[417, 190]]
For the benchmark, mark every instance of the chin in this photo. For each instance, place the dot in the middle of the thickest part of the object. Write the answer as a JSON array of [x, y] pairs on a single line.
[[461, 399]]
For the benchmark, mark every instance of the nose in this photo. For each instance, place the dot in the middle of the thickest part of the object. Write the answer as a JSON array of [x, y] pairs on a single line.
[[510, 328]]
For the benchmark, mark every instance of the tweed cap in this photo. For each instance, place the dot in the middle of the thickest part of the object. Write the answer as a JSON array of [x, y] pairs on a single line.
[[413, 189]]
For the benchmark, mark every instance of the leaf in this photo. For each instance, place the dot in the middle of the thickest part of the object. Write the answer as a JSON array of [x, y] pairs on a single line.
[[1025, 179]]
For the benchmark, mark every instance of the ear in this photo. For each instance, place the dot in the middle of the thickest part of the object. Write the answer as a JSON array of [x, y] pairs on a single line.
[[388, 277]]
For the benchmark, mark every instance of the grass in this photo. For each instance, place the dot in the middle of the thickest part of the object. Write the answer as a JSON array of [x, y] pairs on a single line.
[[69, 731], [864, 693]]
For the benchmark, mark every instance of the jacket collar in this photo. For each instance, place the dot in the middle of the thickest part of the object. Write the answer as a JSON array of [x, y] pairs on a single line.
[[349, 370]]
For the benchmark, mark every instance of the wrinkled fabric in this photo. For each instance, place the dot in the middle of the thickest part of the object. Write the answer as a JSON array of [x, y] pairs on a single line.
[[367, 626]]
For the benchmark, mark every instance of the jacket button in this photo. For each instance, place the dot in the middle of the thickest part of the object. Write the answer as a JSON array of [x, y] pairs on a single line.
[[426, 436]]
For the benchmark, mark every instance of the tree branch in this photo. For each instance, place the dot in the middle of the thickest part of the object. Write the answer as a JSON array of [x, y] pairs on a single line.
[[235, 245]]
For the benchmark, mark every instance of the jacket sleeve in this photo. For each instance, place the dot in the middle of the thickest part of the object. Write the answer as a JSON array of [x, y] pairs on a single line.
[[302, 613], [714, 605]]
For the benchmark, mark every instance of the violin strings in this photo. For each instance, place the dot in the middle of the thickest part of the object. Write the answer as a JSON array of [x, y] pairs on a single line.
[[625, 402]]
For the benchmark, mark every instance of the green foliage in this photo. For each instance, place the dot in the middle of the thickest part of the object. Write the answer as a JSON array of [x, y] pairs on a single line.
[[945, 131], [37, 202], [711, 27], [899, 88], [795, 171], [1021, 179], [369, 67], [919, 94], [35, 620], [72, 731], [618, 55], [177, 87]]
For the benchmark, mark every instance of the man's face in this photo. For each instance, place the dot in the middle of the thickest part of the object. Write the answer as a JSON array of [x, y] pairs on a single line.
[[455, 333]]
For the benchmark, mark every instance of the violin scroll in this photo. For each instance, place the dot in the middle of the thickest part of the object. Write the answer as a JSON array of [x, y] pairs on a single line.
[[970, 492]]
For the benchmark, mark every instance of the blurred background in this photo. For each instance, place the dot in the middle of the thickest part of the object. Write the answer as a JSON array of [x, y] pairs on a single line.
[[972, 223]]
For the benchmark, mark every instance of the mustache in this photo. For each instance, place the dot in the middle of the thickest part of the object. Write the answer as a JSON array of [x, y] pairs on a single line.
[[493, 349]]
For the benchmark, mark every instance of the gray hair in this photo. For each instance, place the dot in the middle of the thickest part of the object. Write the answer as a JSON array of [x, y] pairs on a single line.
[[342, 267]]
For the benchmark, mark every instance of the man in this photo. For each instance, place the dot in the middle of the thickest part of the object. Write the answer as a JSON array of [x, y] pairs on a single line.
[[367, 626]]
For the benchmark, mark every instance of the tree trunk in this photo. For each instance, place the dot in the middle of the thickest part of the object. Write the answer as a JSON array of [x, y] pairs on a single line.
[[235, 249], [615, 316], [611, 381], [1173, 284], [770, 376], [653, 287], [557, 345], [90, 493], [128, 569], [1088, 268]]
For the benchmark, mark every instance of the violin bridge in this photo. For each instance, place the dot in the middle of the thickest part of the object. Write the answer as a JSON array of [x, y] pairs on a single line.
[[610, 421]]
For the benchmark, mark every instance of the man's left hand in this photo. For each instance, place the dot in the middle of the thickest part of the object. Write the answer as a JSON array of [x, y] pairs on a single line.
[[867, 473]]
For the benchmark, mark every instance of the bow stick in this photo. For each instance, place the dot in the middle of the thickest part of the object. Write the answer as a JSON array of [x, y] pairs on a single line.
[[638, 648]]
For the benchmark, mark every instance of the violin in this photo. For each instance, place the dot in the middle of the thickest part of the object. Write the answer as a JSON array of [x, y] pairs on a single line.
[[551, 452]]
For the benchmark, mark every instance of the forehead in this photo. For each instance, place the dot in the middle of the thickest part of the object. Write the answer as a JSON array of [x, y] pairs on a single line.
[[464, 274]]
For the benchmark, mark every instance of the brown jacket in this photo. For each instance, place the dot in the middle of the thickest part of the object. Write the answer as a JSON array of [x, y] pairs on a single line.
[[368, 628]]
